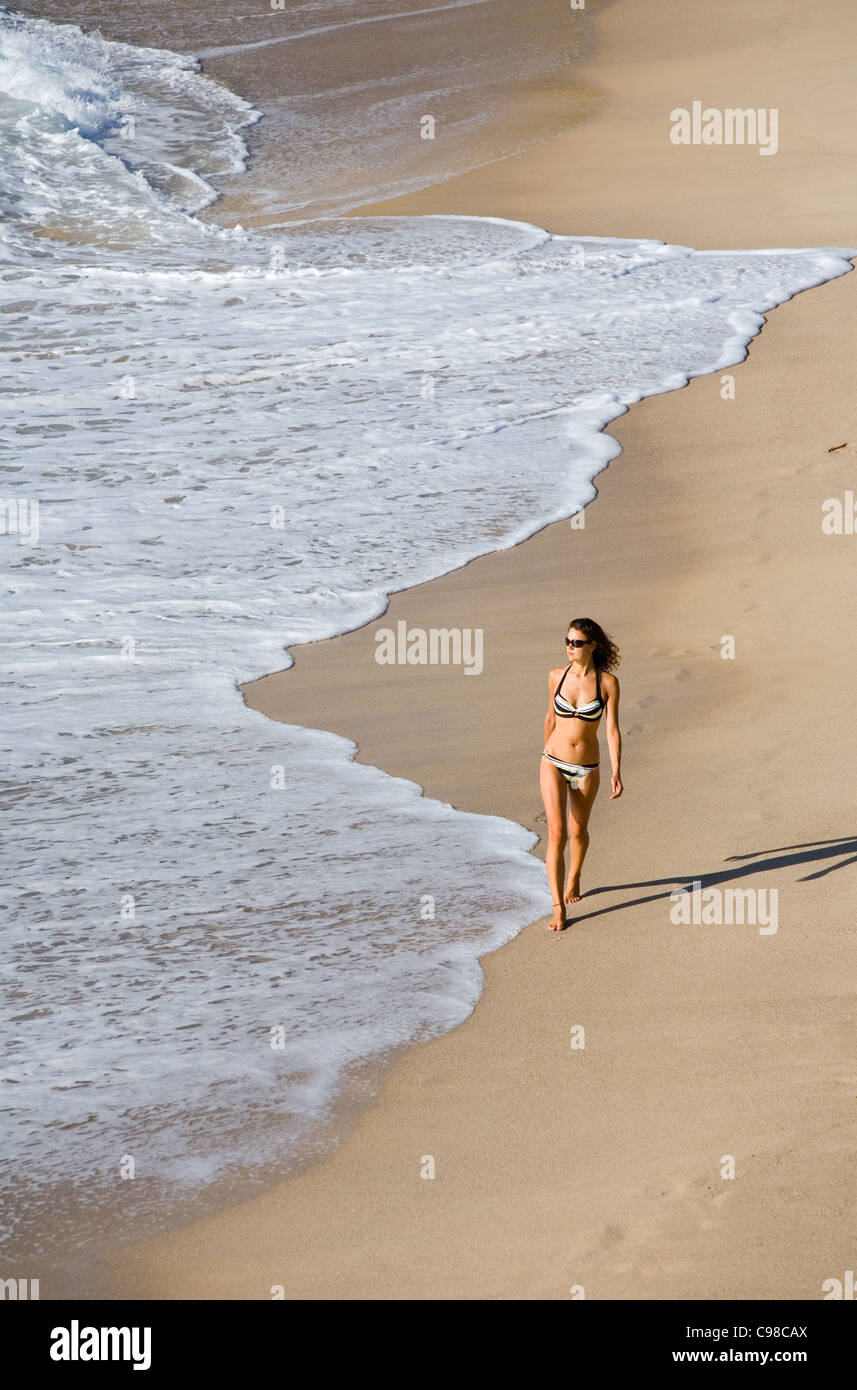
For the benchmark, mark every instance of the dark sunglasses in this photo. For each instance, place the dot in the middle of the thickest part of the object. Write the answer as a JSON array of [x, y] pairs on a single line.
[[576, 642]]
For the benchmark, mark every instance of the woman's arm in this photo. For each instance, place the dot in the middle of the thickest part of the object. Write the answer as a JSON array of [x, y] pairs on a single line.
[[550, 717], [614, 738]]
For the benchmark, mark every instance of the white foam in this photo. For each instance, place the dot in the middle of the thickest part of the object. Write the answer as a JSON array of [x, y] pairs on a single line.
[[93, 133]]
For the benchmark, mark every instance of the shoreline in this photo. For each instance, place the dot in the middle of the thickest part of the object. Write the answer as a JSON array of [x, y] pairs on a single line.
[[625, 1234], [463, 1091]]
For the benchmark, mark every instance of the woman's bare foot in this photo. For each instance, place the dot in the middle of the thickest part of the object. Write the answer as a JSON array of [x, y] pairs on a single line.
[[557, 922], [572, 891]]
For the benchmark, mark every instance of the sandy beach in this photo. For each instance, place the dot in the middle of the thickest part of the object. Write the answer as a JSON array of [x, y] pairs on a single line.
[[601, 1168]]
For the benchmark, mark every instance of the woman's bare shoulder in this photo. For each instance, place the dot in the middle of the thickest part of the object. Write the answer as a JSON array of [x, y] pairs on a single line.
[[610, 683]]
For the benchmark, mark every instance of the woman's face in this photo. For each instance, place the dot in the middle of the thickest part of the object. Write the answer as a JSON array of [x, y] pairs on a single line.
[[583, 649]]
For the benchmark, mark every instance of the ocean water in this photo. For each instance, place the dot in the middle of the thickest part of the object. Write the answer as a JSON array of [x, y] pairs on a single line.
[[237, 443], [346, 86]]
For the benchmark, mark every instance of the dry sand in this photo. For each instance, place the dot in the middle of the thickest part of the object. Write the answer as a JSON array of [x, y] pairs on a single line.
[[602, 1167]]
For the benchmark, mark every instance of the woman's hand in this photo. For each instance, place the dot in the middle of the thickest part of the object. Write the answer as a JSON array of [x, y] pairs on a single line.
[[616, 783]]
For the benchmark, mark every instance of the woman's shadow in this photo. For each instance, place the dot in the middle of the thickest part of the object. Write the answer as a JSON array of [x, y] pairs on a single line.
[[843, 850]]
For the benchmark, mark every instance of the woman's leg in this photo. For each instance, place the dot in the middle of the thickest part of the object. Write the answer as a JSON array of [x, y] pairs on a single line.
[[554, 788], [580, 799]]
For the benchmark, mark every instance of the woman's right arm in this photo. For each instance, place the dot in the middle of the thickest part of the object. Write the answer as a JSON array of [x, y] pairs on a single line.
[[550, 717]]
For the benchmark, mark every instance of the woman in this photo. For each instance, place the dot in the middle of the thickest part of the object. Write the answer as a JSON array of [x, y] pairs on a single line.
[[579, 694]]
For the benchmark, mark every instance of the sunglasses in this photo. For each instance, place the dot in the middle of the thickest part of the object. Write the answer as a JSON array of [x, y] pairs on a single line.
[[576, 642]]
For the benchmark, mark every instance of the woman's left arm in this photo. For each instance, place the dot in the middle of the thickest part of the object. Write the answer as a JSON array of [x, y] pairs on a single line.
[[614, 738]]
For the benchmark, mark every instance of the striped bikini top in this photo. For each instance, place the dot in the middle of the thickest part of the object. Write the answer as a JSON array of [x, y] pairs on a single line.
[[590, 712]]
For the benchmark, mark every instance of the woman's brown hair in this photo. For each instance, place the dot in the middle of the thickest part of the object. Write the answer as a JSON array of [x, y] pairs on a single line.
[[605, 653]]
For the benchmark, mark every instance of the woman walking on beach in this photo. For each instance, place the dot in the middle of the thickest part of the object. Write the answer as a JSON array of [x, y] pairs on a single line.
[[578, 695]]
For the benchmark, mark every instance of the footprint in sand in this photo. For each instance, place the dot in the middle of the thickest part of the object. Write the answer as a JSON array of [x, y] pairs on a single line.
[[635, 729], [683, 674], [611, 1235], [649, 700]]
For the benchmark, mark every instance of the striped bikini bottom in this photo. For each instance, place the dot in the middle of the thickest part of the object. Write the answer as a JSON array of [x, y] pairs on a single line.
[[573, 773]]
